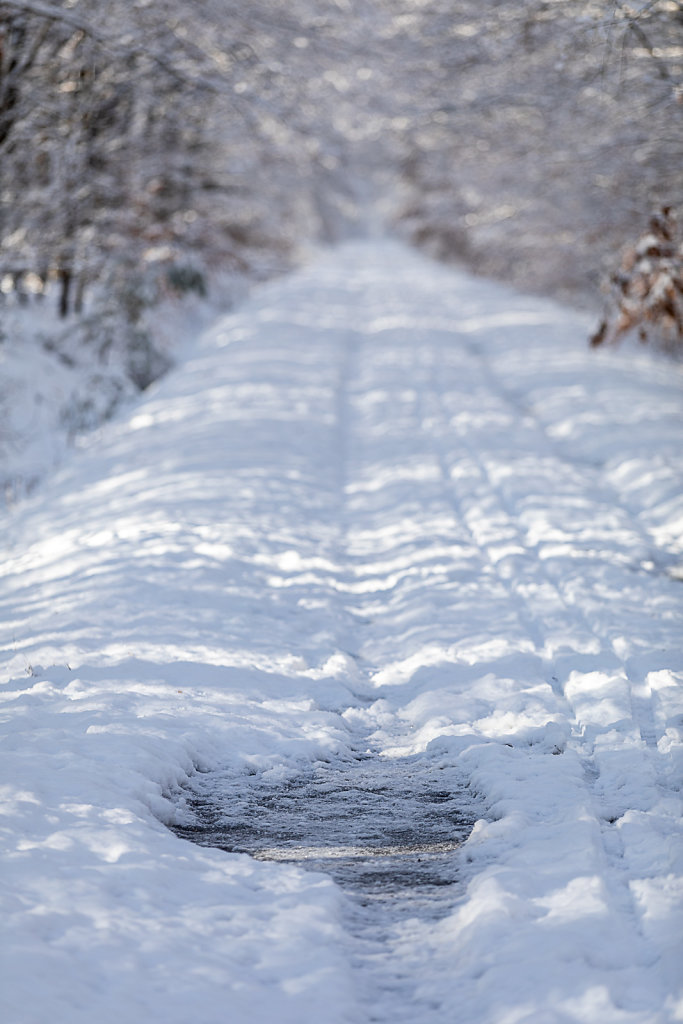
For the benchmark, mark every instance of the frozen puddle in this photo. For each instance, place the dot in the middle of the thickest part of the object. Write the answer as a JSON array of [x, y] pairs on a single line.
[[388, 831]]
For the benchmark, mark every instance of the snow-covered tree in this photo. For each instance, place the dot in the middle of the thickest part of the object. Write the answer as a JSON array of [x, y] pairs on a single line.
[[541, 135], [526, 138]]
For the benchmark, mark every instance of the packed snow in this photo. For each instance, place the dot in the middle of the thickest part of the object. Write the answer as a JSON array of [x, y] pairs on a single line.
[[385, 513]]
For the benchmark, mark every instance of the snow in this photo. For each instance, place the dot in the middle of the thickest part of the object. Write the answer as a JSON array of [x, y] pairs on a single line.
[[62, 378], [383, 506]]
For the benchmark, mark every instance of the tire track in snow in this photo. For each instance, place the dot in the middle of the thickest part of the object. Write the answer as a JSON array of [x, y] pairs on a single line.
[[337, 587], [524, 576], [385, 961], [598, 481], [641, 696]]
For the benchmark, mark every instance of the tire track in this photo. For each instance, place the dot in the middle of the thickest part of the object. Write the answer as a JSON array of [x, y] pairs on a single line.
[[522, 573]]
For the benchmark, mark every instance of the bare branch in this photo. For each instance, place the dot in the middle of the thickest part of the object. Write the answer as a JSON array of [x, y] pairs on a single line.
[[53, 13], [110, 43]]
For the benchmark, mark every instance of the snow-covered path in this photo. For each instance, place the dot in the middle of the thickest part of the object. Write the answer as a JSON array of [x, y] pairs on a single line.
[[388, 508]]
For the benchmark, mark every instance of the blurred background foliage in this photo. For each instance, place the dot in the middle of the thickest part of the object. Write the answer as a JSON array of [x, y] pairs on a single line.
[[146, 146]]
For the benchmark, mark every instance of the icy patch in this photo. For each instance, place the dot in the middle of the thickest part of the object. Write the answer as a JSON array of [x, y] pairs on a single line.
[[388, 831]]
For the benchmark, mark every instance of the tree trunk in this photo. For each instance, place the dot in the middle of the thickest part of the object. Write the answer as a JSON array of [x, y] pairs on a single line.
[[65, 278]]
